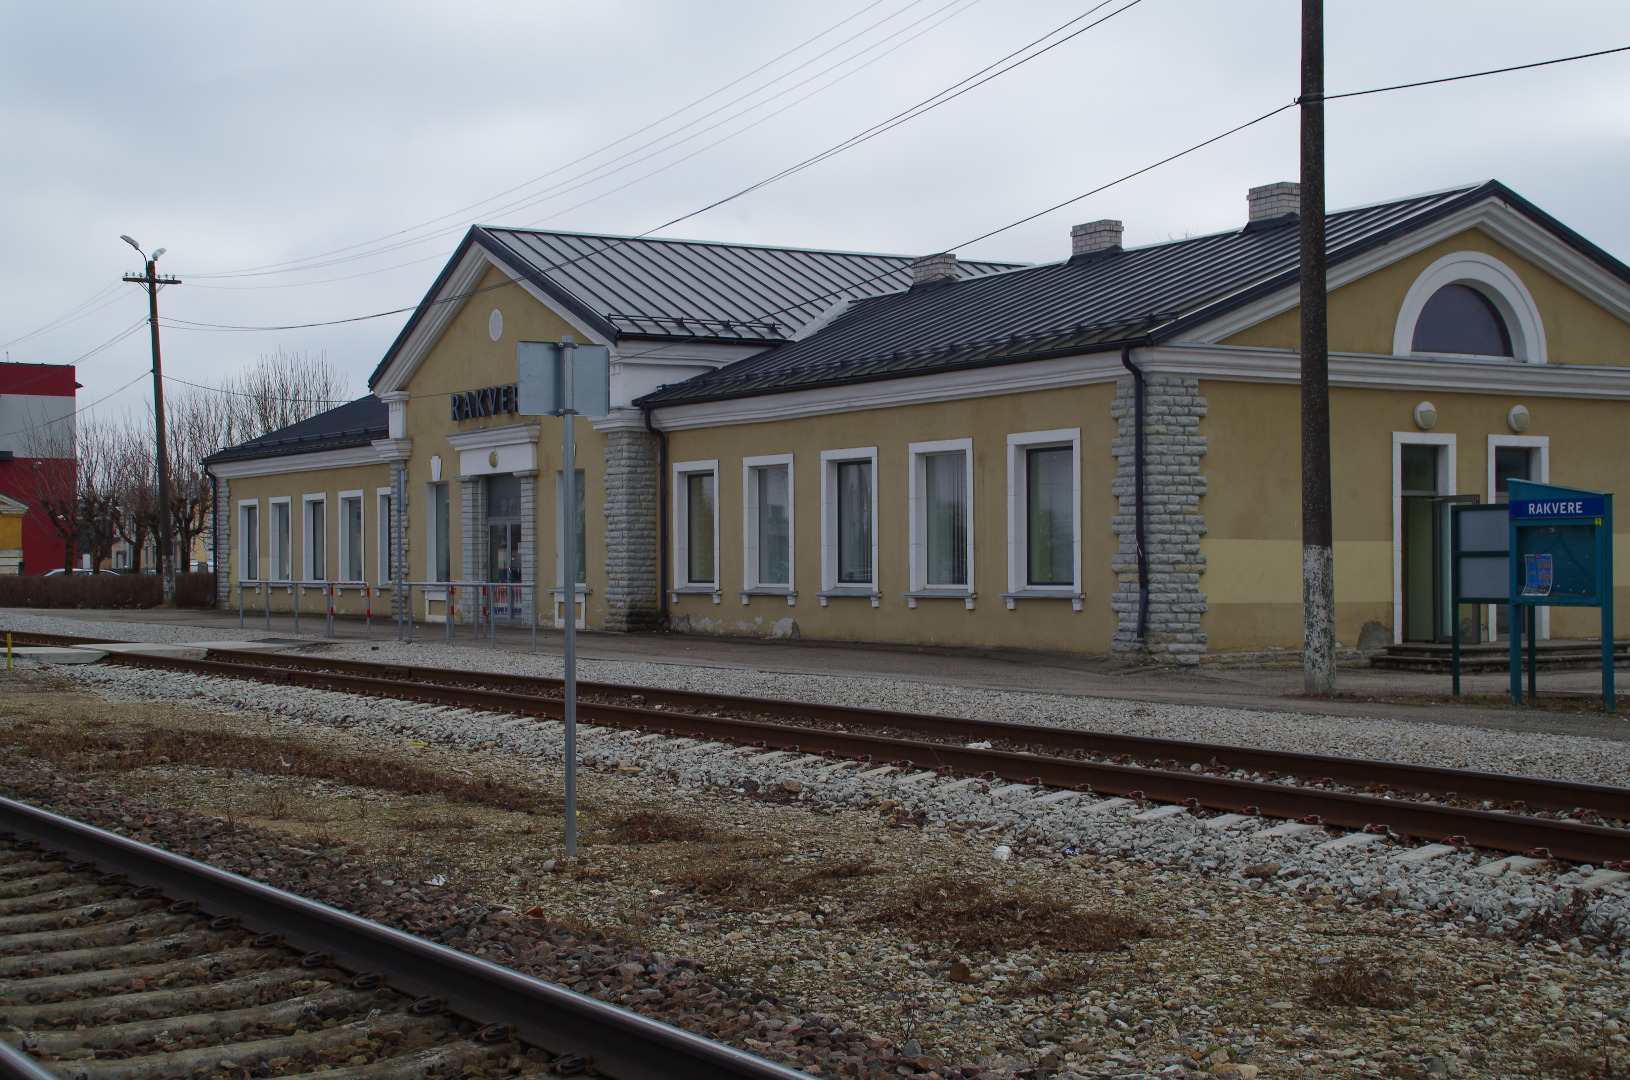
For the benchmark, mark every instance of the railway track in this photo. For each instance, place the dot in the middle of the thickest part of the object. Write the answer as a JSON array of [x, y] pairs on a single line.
[[120, 961], [1414, 801]]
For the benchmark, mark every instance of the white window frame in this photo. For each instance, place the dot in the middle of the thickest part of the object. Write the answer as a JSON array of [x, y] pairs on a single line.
[[1494, 280], [273, 548], [1018, 520], [830, 460], [307, 570], [1541, 444], [383, 505], [918, 504], [1448, 464], [750, 584], [682, 471], [244, 532], [344, 541]]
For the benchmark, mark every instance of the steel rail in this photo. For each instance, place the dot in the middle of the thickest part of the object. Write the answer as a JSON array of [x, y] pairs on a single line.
[[1568, 840], [1535, 792], [621, 1044]]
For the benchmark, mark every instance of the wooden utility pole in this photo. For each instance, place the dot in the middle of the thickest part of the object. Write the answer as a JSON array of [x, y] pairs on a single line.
[[152, 282], [1318, 561]]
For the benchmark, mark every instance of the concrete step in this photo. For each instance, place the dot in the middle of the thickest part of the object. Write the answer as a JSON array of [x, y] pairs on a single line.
[[1434, 657]]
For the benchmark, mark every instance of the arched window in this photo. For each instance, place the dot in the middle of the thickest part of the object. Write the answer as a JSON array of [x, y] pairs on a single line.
[[1473, 305], [1459, 319]]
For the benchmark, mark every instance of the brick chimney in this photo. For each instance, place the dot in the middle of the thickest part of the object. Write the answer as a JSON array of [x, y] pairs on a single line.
[[1274, 201], [932, 268], [1095, 236]]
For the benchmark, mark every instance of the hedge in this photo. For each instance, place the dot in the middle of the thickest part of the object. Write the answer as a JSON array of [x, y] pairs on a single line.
[[103, 590]]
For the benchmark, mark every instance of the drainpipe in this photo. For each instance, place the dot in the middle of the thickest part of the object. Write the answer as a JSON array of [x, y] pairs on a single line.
[[662, 519], [214, 539], [1137, 488]]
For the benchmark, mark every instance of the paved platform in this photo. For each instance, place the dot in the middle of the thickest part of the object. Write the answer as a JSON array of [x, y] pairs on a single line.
[[54, 654], [1364, 691]]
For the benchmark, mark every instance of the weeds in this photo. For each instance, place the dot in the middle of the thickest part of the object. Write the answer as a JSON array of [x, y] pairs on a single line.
[[969, 916], [1355, 985], [151, 747], [854, 868], [654, 827], [1572, 1062]]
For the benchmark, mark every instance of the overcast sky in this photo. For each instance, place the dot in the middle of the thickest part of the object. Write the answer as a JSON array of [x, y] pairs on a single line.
[[243, 136]]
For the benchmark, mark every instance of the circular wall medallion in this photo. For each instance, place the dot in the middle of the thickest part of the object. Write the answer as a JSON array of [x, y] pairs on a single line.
[[1426, 415], [1517, 418], [495, 324], [492, 458]]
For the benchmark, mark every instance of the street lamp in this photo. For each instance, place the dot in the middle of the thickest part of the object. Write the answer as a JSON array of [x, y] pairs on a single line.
[[152, 283]]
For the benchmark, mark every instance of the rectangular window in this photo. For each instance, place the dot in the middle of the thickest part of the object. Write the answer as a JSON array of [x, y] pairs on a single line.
[[249, 530], [699, 511], [314, 538], [579, 553], [387, 528], [942, 510], [696, 525], [351, 536], [854, 523], [443, 532], [767, 520], [1050, 516], [1044, 514], [282, 561]]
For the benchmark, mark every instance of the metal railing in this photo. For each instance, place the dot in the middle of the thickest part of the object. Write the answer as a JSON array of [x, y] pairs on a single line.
[[331, 590], [484, 603]]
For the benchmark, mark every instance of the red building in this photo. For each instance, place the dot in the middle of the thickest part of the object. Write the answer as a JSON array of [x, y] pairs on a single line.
[[37, 456]]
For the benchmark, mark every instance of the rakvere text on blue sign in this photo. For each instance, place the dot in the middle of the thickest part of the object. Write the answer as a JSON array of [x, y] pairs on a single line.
[[1555, 508]]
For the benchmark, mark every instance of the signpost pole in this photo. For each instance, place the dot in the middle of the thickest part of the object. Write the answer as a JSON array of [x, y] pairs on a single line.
[[1533, 654], [1454, 600], [1517, 619], [568, 558], [1604, 560]]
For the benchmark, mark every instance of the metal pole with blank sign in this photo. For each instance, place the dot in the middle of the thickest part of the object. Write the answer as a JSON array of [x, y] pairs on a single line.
[[566, 379], [1480, 570]]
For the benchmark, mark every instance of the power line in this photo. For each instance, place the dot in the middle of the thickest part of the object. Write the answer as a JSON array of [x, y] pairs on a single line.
[[618, 241], [293, 264], [1478, 74], [258, 397]]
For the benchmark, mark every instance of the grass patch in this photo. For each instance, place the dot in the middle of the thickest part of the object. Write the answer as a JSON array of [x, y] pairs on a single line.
[[967, 915], [655, 827], [1357, 985], [96, 751], [854, 868], [1573, 1062]]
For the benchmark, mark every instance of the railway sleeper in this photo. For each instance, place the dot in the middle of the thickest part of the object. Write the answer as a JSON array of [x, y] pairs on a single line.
[[55, 899], [30, 886], [191, 1025], [85, 937], [51, 961], [76, 917], [300, 1047], [210, 964], [264, 985]]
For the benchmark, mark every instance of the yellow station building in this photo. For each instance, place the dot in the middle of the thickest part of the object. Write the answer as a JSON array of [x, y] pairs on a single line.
[[1098, 455]]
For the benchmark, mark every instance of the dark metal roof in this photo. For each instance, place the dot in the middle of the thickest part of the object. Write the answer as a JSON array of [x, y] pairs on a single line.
[[1087, 304], [627, 287], [356, 423]]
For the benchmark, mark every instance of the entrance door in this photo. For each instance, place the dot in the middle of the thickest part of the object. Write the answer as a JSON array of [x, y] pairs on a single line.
[[1418, 473], [1510, 463], [504, 545]]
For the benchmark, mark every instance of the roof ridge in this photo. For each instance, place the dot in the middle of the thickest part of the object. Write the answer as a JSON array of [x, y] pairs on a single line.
[[735, 244]]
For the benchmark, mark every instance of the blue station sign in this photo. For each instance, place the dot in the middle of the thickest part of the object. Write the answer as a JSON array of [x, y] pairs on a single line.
[[1571, 506]]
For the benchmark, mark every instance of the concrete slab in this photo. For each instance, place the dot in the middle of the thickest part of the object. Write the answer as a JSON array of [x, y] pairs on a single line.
[[1597, 879], [1055, 798], [879, 771], [248, 646], [146, 648], [1424, 854], [1224, 821], [1160, 813], [1351, 840], [917, 778], [958, 785], [1010, 789], [1106, 805], [1511, 864], [57, 654], [1290, 828]]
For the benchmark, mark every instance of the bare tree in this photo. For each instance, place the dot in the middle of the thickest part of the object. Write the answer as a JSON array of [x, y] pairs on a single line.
[[135, 513], [100, 485], [279, 390]]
